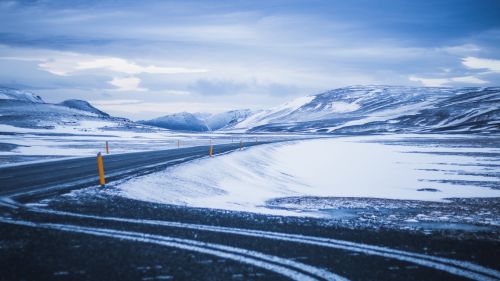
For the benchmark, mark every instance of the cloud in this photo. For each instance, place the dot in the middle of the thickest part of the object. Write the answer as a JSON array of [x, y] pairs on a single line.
[[127, 84], [71, 63], [176, 92], [439, 82], [114, 102], [206, 87], [430, 82], [123, 66], [465, 49], [480, 63], [469, 79]]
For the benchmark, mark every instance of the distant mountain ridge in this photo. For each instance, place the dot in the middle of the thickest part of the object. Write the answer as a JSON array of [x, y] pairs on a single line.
[[24, 109], [199, 122], [182, 121], [348, 110], [84, 106], [15, 94], [381, 109], [367, 109]]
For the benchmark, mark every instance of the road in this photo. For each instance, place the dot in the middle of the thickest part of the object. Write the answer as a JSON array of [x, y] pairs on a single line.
[[29, 180]]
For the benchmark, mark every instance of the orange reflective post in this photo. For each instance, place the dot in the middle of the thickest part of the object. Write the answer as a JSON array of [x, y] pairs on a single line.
[[107, 148], [211, 150], [100, 167]]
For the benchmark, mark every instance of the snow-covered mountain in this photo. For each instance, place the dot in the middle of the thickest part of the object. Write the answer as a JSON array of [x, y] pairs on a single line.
[[371, 109], [272, 115], [14, 94], [199, 122], [26, 110], [227, 119], [182, 121], [83, 106], [349, 110]]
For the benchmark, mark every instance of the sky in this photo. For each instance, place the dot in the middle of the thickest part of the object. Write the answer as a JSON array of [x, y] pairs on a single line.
[[144, 59]]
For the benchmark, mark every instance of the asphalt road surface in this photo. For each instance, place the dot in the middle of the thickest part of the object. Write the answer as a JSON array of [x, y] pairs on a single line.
[[37, 179]]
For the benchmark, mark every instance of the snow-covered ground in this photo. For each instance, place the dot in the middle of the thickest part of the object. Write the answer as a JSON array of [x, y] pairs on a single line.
[[406, 167], [88, 137]]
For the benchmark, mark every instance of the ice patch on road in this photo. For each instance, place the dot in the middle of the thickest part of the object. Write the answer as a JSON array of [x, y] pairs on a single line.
[[341, 167]]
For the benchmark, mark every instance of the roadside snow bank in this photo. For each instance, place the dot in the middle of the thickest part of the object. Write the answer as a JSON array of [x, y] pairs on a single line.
[[341, 167]]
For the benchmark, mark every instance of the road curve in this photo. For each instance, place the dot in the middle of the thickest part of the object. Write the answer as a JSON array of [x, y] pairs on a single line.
[[31, 180]]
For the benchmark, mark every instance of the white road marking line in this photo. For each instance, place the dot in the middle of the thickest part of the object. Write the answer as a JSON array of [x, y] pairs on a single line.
[[269, 262], [455, 267]]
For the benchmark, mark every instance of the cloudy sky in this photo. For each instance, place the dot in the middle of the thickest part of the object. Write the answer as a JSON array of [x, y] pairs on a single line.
[[143, 59]]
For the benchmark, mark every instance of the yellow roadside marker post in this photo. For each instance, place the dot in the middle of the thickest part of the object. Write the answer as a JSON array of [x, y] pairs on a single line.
[[107, 148], [100, 167], [211, 148]]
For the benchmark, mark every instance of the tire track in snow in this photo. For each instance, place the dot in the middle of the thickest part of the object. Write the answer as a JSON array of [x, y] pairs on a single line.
[[288, 268], [455, 267]]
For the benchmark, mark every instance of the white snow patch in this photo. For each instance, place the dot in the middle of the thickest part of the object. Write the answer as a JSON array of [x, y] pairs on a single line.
[[298, 102], [343, 107], [386, 114], [267, 116], [342, 167]]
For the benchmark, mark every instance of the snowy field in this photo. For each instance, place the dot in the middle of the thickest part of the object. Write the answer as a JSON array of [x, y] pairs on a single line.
[[269, 178], [87, 138]]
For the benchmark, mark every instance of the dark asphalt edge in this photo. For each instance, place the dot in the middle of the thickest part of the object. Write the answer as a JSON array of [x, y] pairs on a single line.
[[44, 191]]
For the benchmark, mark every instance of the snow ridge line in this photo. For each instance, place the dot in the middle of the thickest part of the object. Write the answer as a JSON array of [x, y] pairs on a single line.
[[455, 267], [272, 263]]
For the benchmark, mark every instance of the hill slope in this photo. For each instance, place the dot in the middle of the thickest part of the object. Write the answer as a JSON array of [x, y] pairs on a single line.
[[26, 110], [199, 122], [182, 121], [83, 106], [15, 94], [378, 109]]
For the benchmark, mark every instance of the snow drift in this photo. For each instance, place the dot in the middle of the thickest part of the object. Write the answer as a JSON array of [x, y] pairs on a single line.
[[341, 167]]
